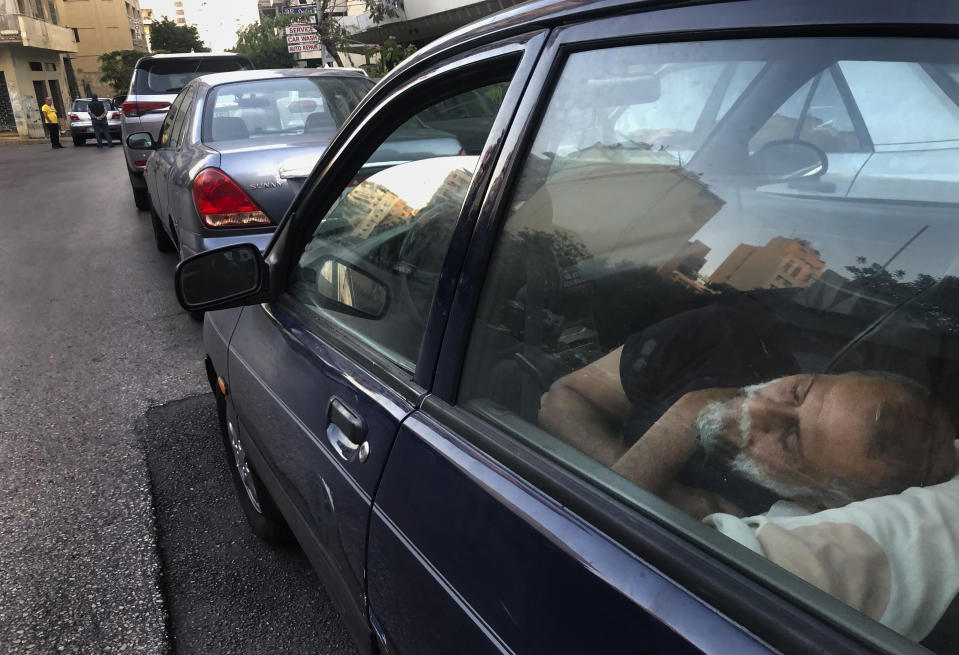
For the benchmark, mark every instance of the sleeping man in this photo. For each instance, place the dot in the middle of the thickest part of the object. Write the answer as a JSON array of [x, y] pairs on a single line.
[[845, 480]]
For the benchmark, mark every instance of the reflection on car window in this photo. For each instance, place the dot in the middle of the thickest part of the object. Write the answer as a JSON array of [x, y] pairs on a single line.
[[374, 261], [758, 325]]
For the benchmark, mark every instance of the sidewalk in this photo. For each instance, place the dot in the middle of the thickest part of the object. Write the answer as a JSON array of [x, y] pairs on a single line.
[[19, 140]]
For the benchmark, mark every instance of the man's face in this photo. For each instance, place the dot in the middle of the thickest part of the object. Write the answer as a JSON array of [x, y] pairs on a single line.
[[49, 100], [810, 437]]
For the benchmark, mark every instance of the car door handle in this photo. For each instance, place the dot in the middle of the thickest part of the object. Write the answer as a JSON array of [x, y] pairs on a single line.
[[346, 432]]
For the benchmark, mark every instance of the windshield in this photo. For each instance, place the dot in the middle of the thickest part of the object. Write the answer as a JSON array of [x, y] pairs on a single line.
[[170, 76], [260, 109]]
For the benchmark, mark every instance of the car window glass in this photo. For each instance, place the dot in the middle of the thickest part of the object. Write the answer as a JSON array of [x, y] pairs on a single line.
[[374, 260], [171, 75], [289, 106], [166, 126], [816, 114], [770, 358], [888, 91], [687, 104], [180, 122]]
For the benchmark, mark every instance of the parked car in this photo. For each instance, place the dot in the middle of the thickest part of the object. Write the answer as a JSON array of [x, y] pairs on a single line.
[[234, 149], [636, 375], [81, 126], [155, 83]]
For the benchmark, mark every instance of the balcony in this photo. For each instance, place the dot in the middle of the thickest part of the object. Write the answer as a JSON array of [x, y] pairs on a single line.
[[34, 33]]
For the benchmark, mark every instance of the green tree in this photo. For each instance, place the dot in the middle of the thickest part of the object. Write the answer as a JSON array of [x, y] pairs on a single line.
[[116, 68], [380, 9], [265, 44], [332, 34], [167, 36]]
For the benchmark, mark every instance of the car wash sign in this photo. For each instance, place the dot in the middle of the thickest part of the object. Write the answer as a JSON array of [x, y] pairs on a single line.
[[302, 38]]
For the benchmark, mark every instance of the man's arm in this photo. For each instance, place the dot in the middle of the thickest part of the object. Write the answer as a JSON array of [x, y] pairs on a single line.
[[587, 408]]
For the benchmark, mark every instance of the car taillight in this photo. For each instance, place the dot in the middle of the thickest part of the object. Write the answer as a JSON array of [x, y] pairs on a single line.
[[221, 202], [74, 117], [114, 115], [134, 108]]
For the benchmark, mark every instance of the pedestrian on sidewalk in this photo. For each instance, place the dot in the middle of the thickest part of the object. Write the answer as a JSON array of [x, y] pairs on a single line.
[[51, 122], [98, 115]]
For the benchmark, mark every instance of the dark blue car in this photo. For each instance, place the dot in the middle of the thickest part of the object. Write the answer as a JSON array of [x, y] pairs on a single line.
[[665, 359]]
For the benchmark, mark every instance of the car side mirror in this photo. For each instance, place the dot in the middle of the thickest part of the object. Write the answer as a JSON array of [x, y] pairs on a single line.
[[141, 141], [344, 287], [226, 277], [788, 160]]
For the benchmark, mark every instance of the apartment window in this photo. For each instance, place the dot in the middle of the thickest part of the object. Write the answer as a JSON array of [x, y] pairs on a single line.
[[179, 12], [53, 12], [181, 20], [49, 66], [76, 34], [36, 66]]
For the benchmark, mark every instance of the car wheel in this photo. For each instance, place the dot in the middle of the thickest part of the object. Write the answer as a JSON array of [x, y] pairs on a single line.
[[141, 198], [163, 242], [79, 140], [261, 511]]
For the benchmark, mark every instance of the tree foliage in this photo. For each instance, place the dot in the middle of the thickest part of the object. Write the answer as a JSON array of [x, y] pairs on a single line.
[[116, 68], [265, 44], [381, 9], [167, 36], [391, 53]]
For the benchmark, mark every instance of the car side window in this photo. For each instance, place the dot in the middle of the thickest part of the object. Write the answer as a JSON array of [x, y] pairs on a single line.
[[180, 122], [374, 260], [817, 114], [166, 127], [780, 367]]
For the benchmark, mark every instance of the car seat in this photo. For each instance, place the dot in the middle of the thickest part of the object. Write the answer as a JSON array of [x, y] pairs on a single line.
[[319, 121], [226, 128]]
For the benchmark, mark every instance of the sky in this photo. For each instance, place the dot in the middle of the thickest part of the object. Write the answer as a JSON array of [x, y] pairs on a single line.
[[216, 20]]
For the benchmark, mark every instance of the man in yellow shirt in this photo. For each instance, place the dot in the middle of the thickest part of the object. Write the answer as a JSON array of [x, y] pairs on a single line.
[[51, 122]]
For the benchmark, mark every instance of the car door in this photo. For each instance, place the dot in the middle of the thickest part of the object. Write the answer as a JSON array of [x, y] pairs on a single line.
[[164, 162], [321, 379], [525, 537]]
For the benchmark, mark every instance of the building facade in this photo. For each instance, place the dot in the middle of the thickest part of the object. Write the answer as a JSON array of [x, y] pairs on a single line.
[[102, 26], [33, 42], [780, 264]]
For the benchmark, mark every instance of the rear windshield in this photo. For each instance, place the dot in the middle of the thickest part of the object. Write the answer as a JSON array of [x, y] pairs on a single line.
[[169, 76], [81, 105], [285, 106]]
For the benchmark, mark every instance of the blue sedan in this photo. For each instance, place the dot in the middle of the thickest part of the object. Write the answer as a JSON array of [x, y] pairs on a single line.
[[660, 356]]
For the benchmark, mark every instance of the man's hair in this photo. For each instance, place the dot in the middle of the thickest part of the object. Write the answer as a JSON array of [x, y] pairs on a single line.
[[904, 429], [93, 96]]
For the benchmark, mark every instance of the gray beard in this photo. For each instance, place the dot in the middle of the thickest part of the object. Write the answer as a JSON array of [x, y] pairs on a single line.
[[713, 423]]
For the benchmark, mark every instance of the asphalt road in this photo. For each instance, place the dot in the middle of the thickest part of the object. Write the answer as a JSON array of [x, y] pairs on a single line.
[[91, 338]]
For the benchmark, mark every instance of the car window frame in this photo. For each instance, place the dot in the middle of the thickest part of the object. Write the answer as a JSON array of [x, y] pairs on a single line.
[[169, 119], [371, 123], [182, 120], [795, 611]]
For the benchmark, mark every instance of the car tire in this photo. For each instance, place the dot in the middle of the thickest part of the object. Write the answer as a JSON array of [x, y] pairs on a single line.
[[79, 141], [257, 504], [162, 239]]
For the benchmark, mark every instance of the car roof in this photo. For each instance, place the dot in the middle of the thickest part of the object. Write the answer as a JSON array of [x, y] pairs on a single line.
[[213, 79], [539, 14]]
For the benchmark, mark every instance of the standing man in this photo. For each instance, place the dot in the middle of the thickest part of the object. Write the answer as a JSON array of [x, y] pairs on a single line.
[[98, 116], [51, 122]]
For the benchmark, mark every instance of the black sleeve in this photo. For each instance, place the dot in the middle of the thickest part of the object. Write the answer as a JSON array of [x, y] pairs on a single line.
[[714, 346]]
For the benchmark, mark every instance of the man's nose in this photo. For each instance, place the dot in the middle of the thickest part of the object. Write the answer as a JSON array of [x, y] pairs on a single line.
[[768, 413]]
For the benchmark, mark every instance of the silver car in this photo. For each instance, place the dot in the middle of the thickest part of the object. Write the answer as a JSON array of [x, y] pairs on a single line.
[[155, 83], [81, 126], [234, 148]]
